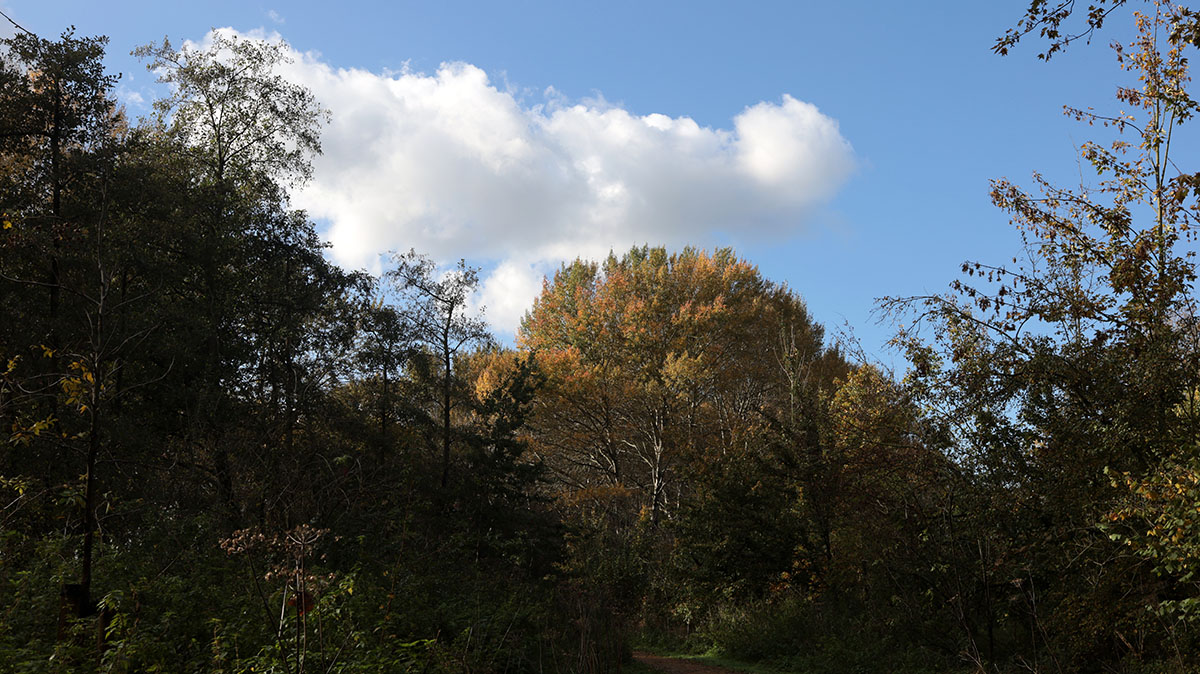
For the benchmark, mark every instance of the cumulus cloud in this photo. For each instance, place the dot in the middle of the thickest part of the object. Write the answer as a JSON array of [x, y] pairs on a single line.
[[453, 165], [133, 99], [509, 290]]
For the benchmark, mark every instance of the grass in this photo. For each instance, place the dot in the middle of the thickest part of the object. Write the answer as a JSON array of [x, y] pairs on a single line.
[[716, 661], [736, 665]]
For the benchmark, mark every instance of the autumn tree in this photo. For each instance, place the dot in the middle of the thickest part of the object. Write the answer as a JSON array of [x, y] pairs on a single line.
[[1051, 373], [653, 360]]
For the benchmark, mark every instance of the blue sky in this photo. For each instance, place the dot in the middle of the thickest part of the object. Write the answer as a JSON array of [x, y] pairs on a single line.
[[845, 147]]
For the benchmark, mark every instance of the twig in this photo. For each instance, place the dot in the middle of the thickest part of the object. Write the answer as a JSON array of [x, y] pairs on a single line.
[[17, 25]]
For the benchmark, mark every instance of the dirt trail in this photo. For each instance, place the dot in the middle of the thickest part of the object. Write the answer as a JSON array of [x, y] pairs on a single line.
[[677, 666]]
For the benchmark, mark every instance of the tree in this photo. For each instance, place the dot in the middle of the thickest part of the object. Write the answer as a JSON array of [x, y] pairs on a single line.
[[237, 131], [60, 145], [232, 108], [57, 108], [655, 360], [1048, 19], [1053, 372], [441, 319], [188, 411], [384, 348]]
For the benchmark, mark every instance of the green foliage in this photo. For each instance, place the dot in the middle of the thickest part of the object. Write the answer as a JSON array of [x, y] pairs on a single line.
[[798, 635], [1058, 379], [216, 451], [1159, 520], [221, 453]]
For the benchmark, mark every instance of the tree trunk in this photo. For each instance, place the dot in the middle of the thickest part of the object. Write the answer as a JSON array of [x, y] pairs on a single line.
[[84, 605], [446, 405]]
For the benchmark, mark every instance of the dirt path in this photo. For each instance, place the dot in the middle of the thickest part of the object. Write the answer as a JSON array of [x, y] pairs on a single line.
[[677, 666]]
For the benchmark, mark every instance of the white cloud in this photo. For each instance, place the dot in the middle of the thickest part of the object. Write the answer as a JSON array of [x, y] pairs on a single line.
[[275, 16], [132, 99], [454, 166], [509, 289]]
